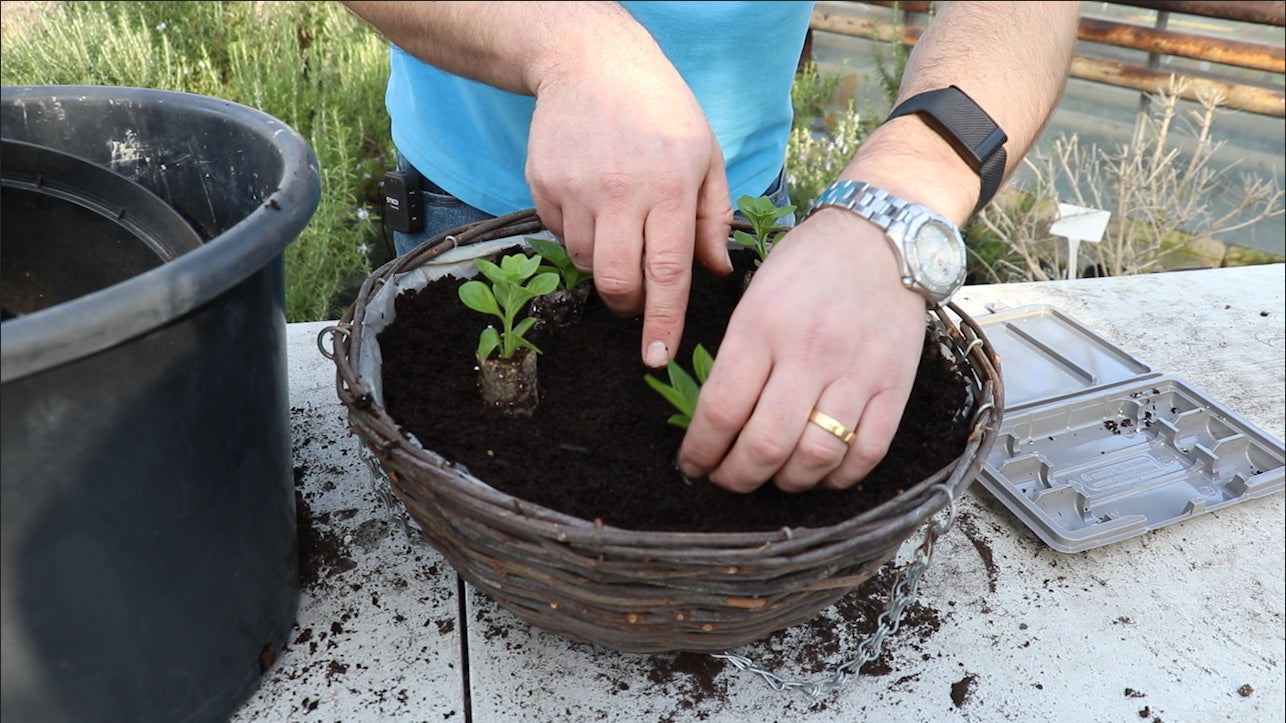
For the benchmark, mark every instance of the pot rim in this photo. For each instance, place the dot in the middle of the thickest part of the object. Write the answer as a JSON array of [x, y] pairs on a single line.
[[106, 318]]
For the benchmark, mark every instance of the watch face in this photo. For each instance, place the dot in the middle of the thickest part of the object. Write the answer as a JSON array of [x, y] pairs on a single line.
[[938, 253]]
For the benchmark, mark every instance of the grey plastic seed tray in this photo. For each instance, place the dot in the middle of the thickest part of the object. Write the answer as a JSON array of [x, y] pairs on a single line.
[[1046, 355], [1105, 456]]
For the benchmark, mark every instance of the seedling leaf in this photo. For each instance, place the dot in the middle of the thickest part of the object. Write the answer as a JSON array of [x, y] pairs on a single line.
[[682, 390], [477, 296], [702, 363], [542, 284], [559, 262], [762, 215], [488, 341]]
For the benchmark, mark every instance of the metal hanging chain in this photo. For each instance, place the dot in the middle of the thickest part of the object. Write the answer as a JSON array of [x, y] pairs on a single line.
[[903, 594]]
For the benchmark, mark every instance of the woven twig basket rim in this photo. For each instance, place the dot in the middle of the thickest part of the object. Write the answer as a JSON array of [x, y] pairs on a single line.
[[800, 544], [915, 503]]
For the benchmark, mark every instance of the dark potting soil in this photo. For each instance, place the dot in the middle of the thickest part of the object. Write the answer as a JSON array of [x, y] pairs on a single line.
[[598, 447]]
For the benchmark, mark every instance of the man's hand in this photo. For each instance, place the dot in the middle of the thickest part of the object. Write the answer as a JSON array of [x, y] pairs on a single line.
[[827, 325], [622, 163], [624, 168]]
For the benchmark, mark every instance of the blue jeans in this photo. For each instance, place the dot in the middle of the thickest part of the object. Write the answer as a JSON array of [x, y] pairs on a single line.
[[444, 212]]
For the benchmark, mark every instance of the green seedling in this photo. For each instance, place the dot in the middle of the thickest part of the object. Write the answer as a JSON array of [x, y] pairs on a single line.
[[557, 261], [513, 283], [683, 389], [762, 215]]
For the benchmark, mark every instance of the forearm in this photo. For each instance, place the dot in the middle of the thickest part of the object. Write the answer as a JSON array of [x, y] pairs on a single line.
[[515, 46], [1011, 58]]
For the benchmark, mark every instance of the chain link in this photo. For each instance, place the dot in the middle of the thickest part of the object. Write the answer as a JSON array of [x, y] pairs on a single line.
[[382, 487], [903, 594]]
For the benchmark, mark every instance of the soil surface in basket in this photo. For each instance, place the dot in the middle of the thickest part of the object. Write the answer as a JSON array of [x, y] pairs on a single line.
[[599, 447]]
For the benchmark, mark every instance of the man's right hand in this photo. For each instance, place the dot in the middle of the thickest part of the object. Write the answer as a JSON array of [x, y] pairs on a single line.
[[622, 163], [625, 169]]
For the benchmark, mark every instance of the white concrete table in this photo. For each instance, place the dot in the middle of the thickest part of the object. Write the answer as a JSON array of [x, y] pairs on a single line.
[[1184, 623]]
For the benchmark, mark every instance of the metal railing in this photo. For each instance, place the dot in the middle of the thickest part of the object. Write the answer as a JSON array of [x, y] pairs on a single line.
[[1248, 74]]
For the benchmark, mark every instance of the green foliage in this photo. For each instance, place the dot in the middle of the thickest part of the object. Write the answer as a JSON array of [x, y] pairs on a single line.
[[513, 283], [557, 261], [822, 142], [682, 390], [814, 159], [889, 70], [812, 94], [762, 215], [313, 65], [987, 250]]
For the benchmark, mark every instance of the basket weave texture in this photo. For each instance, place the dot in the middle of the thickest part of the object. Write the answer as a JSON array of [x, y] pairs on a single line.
[[645, 591]]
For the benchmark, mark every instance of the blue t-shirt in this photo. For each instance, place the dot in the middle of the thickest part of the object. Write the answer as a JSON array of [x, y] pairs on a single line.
[[739, 59]]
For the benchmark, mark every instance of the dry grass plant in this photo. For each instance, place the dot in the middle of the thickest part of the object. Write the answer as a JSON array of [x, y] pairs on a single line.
[[1158, 187]]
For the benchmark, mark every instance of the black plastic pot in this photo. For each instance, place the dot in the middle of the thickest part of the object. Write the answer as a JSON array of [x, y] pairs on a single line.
[[150, 560]]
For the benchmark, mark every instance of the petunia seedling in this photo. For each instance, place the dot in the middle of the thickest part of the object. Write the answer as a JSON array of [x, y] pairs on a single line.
[[762, 215], [556, 260], [514, 282], [565, 305], [683, 388]]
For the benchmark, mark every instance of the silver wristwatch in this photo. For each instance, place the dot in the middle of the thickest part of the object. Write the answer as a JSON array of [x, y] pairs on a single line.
[[930, 250]]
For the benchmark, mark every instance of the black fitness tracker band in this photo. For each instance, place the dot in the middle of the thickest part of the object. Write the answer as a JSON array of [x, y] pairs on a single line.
[[969, 130]]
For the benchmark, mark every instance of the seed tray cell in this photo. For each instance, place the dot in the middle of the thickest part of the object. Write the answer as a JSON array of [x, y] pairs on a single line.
[[1099, 468]]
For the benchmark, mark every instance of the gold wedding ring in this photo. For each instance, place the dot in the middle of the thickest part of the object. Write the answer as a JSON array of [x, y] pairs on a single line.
[[830, 424]]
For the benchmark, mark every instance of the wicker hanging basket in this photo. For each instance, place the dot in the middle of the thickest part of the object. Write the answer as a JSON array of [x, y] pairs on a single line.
[[634, 591]]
